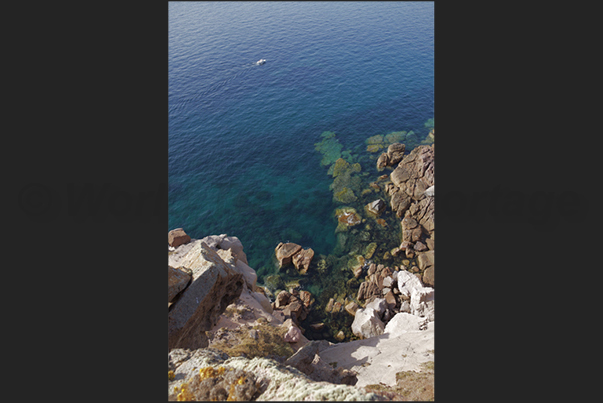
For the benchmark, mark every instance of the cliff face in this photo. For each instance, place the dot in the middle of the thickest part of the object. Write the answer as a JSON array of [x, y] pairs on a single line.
[[221, 310]]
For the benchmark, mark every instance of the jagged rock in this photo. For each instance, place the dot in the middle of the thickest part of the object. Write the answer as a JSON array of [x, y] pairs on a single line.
[[410, 253], [376, 207], [382, 161], [293, 334], [428, 276], [425, 259], [302, 259], [430, 243], [420, 247], [177, 281], [213, 287], [378, 305], [390, 299], [281, 383], [403, 322], [306, 298], [240, 267], [367, 323], [285, 251], [409, 223], [399, 202], [421, 298], [177, 237], [367, 290], [351, 308], [430, 191], [388, 281], [282, 299], [395, 153]]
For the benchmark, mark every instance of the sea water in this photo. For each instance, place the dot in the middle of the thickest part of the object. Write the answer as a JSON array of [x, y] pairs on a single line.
[[242, 157]]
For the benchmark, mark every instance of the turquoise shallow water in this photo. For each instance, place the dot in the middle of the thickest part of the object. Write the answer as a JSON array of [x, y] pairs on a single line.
[[241, 136]]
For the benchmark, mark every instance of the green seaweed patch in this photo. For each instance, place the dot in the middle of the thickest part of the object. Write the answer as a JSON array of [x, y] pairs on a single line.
[[345, 196], [329, 147], [378, 139], [373, 148], [394, 137]]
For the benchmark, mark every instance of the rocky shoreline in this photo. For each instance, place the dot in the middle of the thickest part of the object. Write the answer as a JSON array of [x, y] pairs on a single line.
[[230, 338]]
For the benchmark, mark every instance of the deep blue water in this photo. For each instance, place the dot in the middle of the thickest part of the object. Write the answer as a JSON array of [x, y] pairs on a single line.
[[241, 136]]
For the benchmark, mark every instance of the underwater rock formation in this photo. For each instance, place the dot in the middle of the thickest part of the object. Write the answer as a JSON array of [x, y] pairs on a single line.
[[285, 251]]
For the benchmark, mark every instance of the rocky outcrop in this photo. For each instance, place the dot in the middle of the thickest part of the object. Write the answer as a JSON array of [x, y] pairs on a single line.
[[178, 279], [301, 260], [376, 207], [394, 154], [214, 285], [271, 381], [403, 346], [285, 251], [177, 237], [367, 323]]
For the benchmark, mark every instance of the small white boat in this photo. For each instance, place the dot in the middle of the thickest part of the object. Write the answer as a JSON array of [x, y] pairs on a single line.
[[261, 61]]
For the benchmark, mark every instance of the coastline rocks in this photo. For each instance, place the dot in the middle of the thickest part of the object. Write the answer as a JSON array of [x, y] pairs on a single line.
[[177, 237], [351, 308], [177, 281], [367, 323], [302, 259], [428, 276], [273, 381], [293, 335], [285, 251], [395, 152], [376, 207], [214, 286]]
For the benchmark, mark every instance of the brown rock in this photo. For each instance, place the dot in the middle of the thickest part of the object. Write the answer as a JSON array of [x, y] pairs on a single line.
[[428, 276], [329, 306], [410, 253], [420, 247], [375, 186], [405, 245], [305, 297], [376, 207], [382, 161], [177, 237], [285, 251], [340, 336], [425, 259], [214, 285], [301, 260], [177, 281], [430, 243], [416, 234], [282, 299], [372, 268], [399, 202], [337, 306], [351, 308], [383, 177], [357, 271], [409, 223], [395, 251], [395, 153], [390, 299]]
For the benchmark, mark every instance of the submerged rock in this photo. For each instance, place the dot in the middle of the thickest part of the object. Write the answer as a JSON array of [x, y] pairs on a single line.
[[302, 259], [376, 207]]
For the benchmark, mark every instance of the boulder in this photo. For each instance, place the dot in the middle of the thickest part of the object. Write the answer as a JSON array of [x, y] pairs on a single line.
[[367, 324], [293, 334], [395, 153], [282, 299], [399, 202], [376, 207], [401, 323], [425, 259], [382, 161], [285, 251], [420, 247], [177, 237], [407, 282], [351, 308], [388, 281], [430, 191], [177, 281], [306, 298], [422, 303], [378, 305], [390, 299], [214, 285], [301, 260], [428, 276]]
